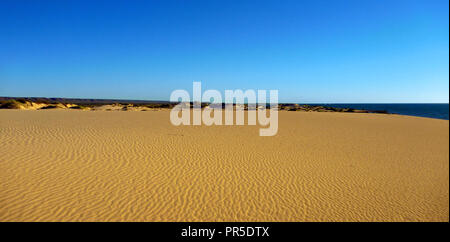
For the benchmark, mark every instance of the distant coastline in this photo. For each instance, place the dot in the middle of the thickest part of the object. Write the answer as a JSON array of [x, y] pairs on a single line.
[[428, 110]]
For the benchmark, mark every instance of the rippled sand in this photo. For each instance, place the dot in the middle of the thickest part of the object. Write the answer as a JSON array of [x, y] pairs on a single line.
[[61, 165]]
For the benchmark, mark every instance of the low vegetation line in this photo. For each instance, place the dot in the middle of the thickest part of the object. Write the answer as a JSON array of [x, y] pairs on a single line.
[[137, 105]]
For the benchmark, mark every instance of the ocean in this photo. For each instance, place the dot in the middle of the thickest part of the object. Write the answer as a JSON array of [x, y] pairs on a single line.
[[438, 110]]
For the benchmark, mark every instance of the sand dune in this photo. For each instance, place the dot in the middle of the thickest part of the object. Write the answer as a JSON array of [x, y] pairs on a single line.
[[61, 165]]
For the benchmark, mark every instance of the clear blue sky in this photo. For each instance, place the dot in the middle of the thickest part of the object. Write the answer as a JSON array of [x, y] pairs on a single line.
[[369, 51]]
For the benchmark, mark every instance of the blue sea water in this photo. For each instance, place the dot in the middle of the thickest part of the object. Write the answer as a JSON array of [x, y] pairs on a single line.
[[438, 110]]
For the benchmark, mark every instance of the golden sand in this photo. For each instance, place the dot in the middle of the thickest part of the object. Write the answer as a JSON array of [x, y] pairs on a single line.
[[67, 165]]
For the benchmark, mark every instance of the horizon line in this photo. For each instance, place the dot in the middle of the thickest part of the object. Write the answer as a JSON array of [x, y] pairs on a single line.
[[154, 100]]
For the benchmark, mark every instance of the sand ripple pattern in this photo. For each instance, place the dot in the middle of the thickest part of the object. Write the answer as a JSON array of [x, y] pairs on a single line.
[[60, 165]]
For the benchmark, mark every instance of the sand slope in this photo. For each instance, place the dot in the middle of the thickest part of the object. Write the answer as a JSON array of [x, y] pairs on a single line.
[[62, 165]]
